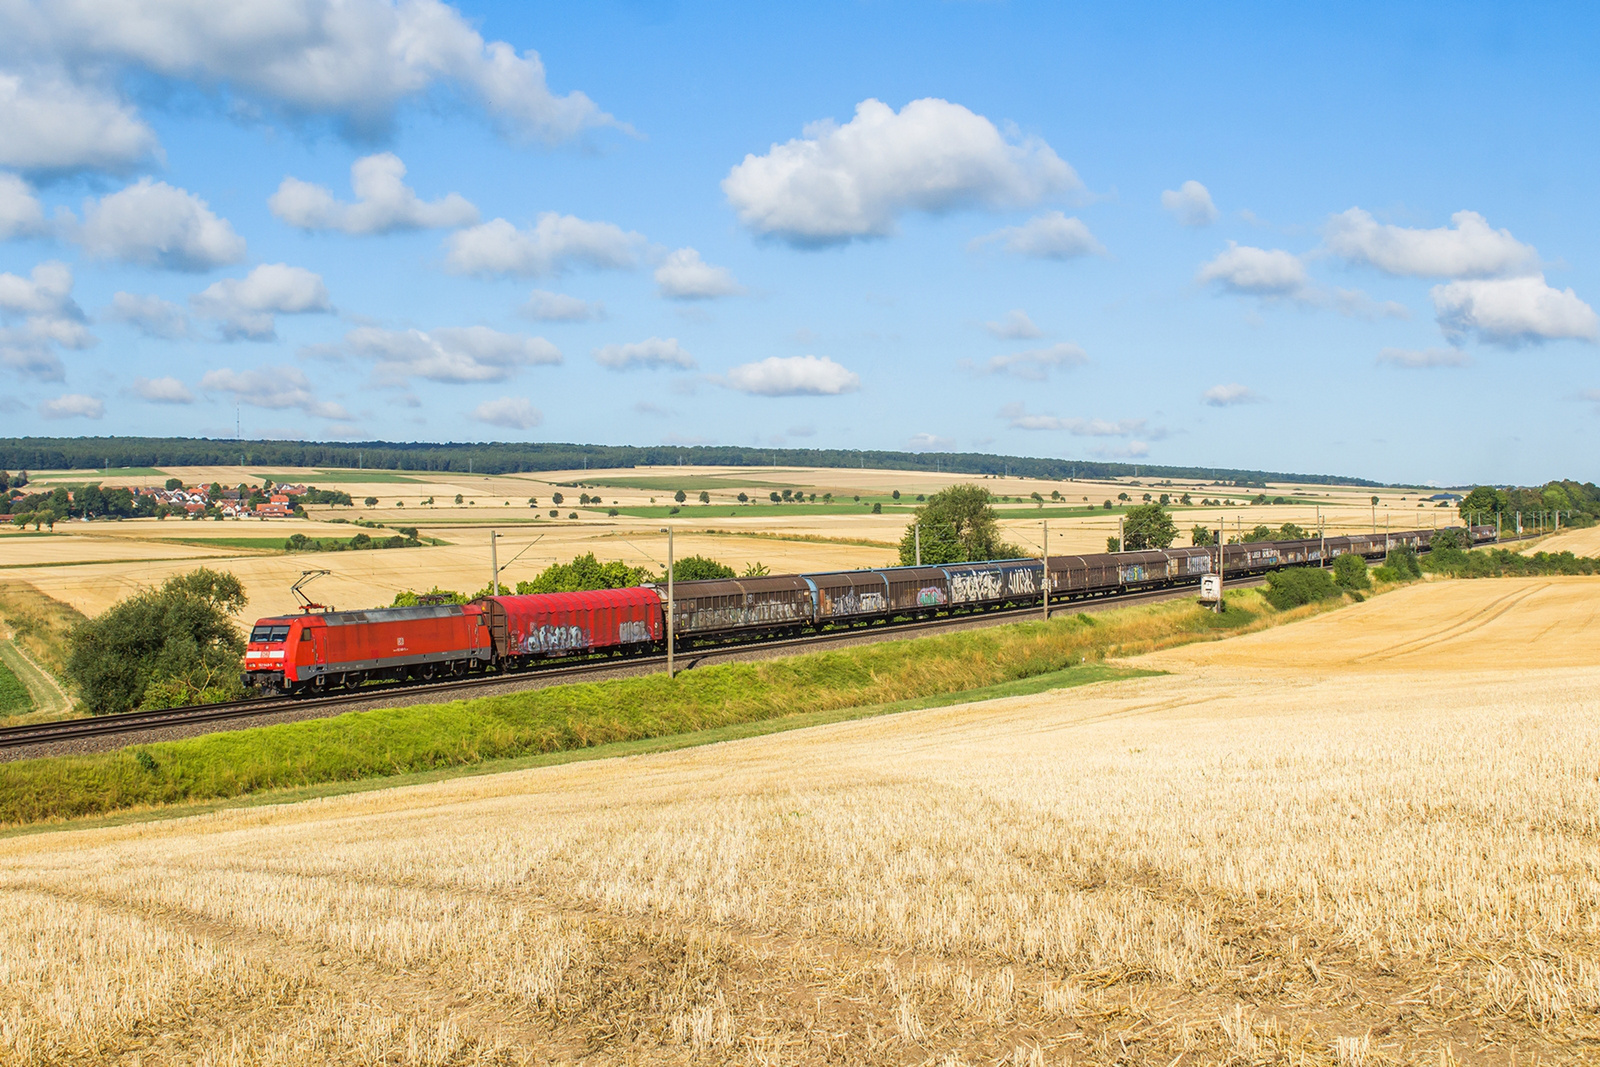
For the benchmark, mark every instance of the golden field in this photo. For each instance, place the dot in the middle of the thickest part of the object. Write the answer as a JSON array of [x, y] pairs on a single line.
[[1369, 837], [91, 565]]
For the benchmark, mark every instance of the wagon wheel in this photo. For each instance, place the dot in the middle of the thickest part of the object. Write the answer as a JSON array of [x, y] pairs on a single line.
[[353, 680]]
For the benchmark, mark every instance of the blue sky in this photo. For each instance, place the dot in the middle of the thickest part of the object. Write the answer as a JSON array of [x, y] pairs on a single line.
[[1354, 239]]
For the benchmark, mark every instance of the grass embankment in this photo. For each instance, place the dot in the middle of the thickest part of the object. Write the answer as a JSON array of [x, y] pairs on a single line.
[[400, 741], [14, 696], [35, 651]]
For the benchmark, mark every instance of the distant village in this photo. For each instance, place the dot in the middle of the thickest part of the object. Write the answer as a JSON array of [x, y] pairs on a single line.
[[46, 507]]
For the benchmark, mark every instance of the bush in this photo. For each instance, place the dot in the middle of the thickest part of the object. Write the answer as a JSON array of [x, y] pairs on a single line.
[[1404, 563], [1300, 585], [584, 573], [1350, 571], [695, 568], [178, 640]]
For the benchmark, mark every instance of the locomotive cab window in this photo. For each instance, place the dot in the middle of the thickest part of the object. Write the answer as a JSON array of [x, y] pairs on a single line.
[[305, 635], [269, 634]]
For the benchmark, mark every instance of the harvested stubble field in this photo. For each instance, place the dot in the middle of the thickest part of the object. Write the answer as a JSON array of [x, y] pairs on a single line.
[[1368, 837]]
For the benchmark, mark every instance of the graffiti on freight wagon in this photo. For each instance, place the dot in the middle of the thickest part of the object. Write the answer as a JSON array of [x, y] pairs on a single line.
[[855, 602], [631, 633], [974, 585], [1021, 581], [693, 617], [548, 640], [930, 595]]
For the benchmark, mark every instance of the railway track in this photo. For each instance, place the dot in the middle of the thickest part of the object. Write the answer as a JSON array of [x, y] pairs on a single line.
[[141, 722]]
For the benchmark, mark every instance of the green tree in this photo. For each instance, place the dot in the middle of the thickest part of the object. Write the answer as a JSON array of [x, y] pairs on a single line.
[[585, 572], [958, 525], [1201, 537], [1113, 545], [1485, 502], [680, 496], [555, 498], [174, 483], [176, 643], [705, 497], [370, 501], [697, 568], [1350, 571], [755, 570], [1148, 526], [411, 598], [743, 497]]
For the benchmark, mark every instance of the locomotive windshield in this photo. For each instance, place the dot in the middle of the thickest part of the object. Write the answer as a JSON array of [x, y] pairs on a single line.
[[269, 634]]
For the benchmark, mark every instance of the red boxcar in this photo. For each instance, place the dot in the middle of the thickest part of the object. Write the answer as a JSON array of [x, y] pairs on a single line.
[[350, 647], [565, 624]]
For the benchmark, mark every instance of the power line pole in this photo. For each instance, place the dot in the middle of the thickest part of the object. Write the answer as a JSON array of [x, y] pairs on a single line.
[[494, 561], [916, 533], [672, 623], [1046, 570]]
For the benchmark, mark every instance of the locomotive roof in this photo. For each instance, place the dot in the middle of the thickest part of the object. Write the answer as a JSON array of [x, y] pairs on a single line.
[[352, 618]]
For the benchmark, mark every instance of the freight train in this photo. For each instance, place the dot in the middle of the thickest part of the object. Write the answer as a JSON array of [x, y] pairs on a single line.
[[317, 652]]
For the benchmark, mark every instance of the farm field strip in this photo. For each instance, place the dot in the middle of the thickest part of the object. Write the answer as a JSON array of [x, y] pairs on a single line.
[[1274, 855]]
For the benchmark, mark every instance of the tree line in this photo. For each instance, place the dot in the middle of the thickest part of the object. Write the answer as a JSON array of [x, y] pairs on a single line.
[[511, 457]]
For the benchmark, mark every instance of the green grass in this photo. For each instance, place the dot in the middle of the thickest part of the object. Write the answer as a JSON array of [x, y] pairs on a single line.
[[14, 696], [1084, 674], [109, 472], [228, 542], [422, 738]]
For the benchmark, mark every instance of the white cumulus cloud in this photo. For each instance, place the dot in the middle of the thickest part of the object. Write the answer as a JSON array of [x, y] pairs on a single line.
[[247, 307], [1255, 271], [685, 276], [48, 319], [449, 354], [1190, 203], [1036, 363], [1051, 235], [354, 61], [1226, 396], [384, 202], [151, 315], [651, 353], [72, 406], [837, 183], [1512, 311], [162, 391], [545, 306], [793, 376], [925, 442], [1013, 326], [512, 412], [20, 212], [554, 244], [275, 388], [49, 124], [1468, 249], [1420, 358], [155, 224]]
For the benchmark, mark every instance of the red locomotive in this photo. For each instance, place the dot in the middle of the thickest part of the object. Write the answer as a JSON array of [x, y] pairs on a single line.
[[348, 648], [335, 649]]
